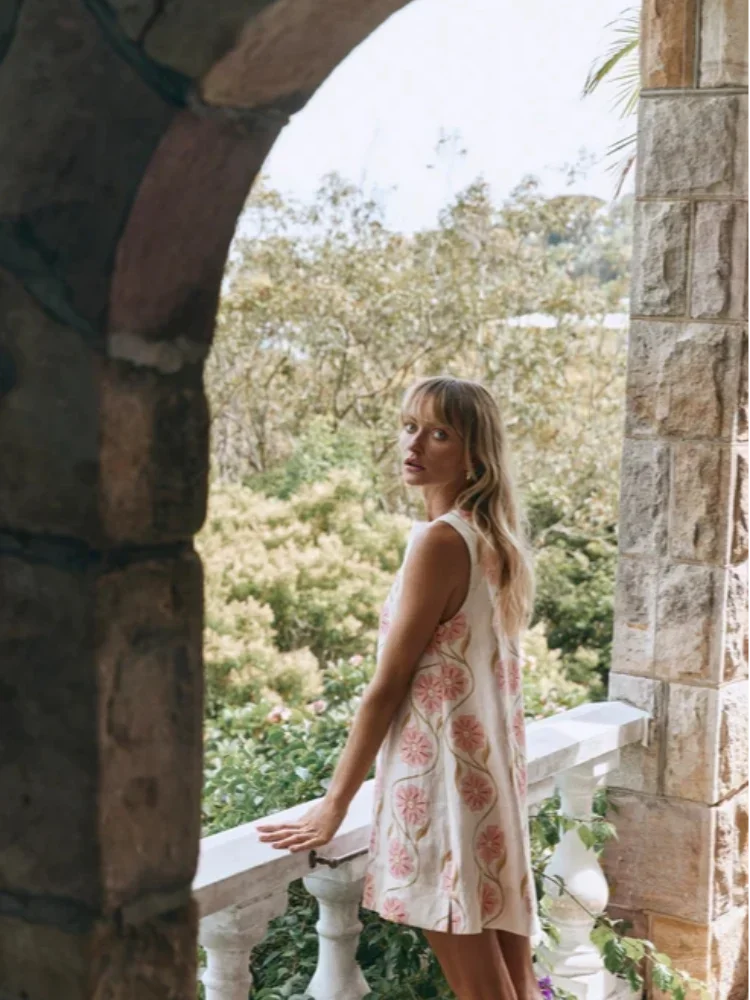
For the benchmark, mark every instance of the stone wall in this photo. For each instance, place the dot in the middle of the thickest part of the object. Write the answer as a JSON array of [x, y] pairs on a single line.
[[679, 869]]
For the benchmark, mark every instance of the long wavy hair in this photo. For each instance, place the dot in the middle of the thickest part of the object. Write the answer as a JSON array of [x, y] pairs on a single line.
[[489, 497]]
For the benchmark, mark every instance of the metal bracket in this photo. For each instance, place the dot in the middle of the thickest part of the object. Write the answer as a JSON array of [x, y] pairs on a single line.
[[315, 859]]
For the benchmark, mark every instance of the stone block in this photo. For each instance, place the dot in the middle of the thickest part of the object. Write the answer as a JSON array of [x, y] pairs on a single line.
[[688, 944], [730, 854], [692, 145], [682, 380], [100, 714], [723, 43], [739, 509], [640, 767], [719, 282], [637, 918], [729, 967], [667, 43], [644, 869], [733, 742], [743, 389], [688, 608], [660, 258], [699, 510], [691, 743], [734, 621], [635, 598], [153, 433], [644, 498], [156, 958]]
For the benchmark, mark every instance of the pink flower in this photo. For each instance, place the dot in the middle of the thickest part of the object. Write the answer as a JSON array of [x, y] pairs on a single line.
[[490, 843], [429, 692], [393, 909], [500, 676], [446, 879], [468, 733], [399, 863], [368, 894], [317, 706], [416, 748], [448, 632], [519, 727], [457, 921], [411, 803], [514, 676], [489, 899], [279, 714], [476, 791], [453, 681], [356, 660]]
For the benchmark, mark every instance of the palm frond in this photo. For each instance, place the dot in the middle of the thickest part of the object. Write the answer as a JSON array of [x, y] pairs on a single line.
[[622, 54]]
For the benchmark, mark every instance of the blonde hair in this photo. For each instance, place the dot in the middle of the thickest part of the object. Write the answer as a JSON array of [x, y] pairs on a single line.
[[490, 495]]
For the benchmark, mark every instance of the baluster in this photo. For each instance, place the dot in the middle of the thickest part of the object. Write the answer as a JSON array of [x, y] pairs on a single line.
[[575, 963], [229, 937], [338, 892]]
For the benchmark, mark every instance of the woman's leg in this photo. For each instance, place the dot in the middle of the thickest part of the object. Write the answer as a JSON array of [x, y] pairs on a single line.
[[474, 965], [517, 953]]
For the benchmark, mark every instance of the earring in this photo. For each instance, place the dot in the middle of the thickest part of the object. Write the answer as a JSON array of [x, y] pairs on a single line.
[[469, 476]]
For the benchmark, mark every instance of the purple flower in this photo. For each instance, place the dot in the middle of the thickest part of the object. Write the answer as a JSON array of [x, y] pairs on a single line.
[[545, 985]]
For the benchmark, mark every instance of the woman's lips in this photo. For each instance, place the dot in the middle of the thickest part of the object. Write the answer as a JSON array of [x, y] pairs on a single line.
[[414, 465]]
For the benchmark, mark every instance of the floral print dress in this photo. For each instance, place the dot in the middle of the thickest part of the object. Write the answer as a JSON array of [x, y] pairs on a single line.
[[449, 849]]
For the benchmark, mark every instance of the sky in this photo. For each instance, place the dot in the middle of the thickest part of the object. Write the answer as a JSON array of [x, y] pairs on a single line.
[[499, 79]]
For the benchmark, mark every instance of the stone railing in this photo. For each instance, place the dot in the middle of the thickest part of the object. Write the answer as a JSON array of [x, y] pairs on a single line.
[[241, 883]]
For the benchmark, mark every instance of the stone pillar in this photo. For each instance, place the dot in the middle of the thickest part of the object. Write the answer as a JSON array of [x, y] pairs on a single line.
[[131, 132], [679, 868]]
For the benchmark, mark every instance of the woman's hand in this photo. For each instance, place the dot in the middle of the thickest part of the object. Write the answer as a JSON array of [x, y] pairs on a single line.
[[316, 828]]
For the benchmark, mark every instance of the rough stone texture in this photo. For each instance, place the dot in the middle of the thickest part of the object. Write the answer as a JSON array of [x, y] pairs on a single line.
[[644, 498], [100, 714], [729, 979], [691, 741], [635, 593], [687, 602], [733, 742], [688, 944], [639, 769], [660, 259], [667, 43], [683, 380], [699, 514], [637, 918], [154, 959], [153, 455], [719, 283], [730, 854], [643, 868], [692, 145], [739, 512], [734, 615], [723, 43], [743, 390]]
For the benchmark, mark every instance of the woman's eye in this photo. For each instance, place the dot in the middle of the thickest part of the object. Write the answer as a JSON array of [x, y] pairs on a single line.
[[441, 435], [410, 428]]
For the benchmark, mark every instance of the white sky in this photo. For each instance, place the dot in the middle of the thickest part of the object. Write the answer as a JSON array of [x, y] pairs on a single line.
[[505, 75]]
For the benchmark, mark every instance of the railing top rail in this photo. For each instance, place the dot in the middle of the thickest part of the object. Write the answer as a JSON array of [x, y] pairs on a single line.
[[234, 866]]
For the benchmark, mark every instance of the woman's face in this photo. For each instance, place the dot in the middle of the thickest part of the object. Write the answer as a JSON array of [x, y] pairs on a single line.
[[432, 452]]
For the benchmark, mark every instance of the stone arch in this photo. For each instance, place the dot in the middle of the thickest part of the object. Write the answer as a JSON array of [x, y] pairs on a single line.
[[132, 131]]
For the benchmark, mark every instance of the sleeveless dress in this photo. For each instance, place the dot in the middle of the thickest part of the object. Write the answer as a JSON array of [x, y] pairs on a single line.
[[449, 848]]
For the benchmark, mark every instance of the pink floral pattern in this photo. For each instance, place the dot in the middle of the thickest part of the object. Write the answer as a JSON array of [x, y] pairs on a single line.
[[428, 691], [468, 733], [490, 843], [394, 909], [416, 748], [476, 791], [411, 803], [400, 864], [452, 839], [453, 681]]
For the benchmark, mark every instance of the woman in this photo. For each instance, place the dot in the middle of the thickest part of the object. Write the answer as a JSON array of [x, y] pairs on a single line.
[[444, 711]]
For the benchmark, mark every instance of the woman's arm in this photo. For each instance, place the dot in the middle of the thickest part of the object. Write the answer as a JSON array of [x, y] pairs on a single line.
[[438, 568]]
